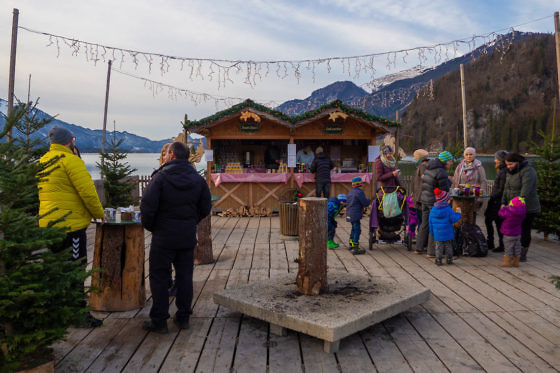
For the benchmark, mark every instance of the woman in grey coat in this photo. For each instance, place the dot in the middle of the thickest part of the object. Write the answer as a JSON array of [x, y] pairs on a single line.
[[521, 181]]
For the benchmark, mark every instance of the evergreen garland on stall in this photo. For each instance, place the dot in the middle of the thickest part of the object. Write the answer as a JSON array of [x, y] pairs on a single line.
[[116, 174], [38, 296], [548, 185]]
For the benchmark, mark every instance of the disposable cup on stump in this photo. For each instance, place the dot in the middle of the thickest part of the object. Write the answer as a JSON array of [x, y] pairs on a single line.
[[312, 273]]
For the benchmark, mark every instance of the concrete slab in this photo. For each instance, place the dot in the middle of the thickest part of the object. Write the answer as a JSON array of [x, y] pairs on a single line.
[[353, 303]]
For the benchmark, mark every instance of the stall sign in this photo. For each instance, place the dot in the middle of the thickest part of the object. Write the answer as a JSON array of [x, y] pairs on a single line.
[[333, 128], [249, 126]]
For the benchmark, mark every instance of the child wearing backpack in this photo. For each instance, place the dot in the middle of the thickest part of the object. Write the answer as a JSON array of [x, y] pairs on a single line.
[[356, 202], [513, 216], [334, 207], [441, 222]]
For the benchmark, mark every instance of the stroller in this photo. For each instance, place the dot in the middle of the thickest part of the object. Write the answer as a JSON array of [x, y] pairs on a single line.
[[389, 215]]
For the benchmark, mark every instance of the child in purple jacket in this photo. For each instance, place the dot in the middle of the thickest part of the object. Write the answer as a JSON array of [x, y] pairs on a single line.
[[513, 216]]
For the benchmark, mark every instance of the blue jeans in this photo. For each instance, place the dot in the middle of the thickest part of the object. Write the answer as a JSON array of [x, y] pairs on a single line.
[[322, 187], [356, 231]]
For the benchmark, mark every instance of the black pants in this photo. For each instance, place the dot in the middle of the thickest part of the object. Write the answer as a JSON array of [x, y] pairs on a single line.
[[325, 188], [424, 238], [490, 218], [161, 259], [78, 241], [526, 229]]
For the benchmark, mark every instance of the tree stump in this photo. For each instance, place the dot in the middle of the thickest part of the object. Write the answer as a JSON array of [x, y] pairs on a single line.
[[203, 250], [312, 273], [467, 205], [119, 254]]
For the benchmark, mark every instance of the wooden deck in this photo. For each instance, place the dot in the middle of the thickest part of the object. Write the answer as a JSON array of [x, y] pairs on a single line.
[[480, 317]]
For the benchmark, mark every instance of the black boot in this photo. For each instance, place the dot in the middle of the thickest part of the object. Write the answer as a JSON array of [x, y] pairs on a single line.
[[449, 260], [524, 251], [490, 243], [438, 261], [499, 249]]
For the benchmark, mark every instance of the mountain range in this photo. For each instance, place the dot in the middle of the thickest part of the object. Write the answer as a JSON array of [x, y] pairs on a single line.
[[88, 140]]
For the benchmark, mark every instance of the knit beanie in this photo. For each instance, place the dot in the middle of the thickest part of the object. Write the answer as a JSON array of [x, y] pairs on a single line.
[[500, 155], [419, 154], [318, 150], [441, 195], [356, 181], [341, 197], [387, 149], [517, 202], [514, 157], [445, 156], [470, 149], [60, 135]]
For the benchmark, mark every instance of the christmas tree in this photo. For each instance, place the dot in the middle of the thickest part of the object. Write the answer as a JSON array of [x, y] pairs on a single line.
[[38, 299], [118, 186], [548, 187]]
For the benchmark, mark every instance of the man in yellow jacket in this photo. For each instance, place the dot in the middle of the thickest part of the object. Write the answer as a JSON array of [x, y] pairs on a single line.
[[68, 192]]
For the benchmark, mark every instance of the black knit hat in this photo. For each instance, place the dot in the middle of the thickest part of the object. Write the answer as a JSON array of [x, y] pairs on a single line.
[[514, 157], [500, 155]]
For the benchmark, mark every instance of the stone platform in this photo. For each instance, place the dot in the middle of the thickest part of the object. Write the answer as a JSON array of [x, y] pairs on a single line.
[[353, 303]]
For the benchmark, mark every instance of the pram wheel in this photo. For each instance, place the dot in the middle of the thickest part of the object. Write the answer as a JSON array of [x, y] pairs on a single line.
[[408, 241], [372, 238]]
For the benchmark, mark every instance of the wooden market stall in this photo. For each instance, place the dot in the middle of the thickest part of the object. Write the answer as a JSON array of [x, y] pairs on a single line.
[[239, 137]]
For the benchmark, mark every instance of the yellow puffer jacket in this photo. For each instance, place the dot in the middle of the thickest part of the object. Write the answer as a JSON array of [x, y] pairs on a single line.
[[68, 189]]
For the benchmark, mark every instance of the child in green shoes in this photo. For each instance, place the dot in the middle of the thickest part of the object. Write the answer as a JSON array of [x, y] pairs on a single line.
[[334, 207]]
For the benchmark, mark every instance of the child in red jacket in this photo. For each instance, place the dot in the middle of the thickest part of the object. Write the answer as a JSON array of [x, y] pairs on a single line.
[[513, 216]]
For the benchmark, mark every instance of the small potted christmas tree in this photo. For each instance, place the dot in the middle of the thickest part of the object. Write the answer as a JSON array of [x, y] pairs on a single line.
[[38, 296]]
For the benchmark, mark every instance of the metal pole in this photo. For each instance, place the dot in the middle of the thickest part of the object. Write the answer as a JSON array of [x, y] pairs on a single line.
[[105, 111], [464, 101], [557, 39], [12, 75]]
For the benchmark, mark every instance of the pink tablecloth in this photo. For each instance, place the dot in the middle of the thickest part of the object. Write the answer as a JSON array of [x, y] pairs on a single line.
[[335, 178], [217, 179]]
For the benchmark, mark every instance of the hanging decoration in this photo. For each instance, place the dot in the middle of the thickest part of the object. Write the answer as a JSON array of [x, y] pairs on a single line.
[[336, 115], [249, 122], [224, 71]]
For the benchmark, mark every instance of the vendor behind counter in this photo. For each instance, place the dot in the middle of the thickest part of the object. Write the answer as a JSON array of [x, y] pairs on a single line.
[[272, 156]]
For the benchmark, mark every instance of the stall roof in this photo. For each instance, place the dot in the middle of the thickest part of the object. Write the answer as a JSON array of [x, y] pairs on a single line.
[[284, 119]]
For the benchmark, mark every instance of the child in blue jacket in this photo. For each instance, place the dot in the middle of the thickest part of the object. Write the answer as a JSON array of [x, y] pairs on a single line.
[[441, 222], [356, 202], [334, 207]]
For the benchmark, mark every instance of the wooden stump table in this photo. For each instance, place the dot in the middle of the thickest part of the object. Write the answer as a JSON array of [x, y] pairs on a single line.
[[468, 208], [119, 254]]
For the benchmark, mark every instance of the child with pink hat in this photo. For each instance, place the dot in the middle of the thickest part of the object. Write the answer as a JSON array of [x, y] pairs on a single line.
[[513, 216]]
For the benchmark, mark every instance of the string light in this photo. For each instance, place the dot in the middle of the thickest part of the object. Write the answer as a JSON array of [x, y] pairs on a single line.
[[223, 70], [197, 98]]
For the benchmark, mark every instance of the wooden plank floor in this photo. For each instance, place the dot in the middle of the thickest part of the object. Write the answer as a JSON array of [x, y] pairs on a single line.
[[480, 317]]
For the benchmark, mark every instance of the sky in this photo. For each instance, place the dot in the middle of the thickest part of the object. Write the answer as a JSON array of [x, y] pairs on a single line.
[[235, 30]]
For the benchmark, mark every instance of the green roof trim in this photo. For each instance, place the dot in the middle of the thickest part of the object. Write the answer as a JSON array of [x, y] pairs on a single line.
[[290, 119]]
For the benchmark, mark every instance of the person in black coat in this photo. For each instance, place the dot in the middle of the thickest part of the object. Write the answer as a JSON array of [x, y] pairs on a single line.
[[491, 215], [321, 167], [435, 176], [174, 202]]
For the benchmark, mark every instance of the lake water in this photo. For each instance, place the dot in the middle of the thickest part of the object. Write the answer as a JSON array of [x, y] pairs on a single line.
[[146, 163]]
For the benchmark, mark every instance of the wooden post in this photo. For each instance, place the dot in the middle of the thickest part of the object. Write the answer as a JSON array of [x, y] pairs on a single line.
[[12, 74], [373, 175], [397, 153], [312, 273], [557, 42], [203, 249], [464, 102], [105, 110]]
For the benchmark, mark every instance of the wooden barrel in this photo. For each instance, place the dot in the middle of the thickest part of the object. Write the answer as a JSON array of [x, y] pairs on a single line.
[[288, 218], [119, 254]]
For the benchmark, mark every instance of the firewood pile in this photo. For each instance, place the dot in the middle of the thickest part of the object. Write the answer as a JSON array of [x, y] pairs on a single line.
[[245, 211]]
